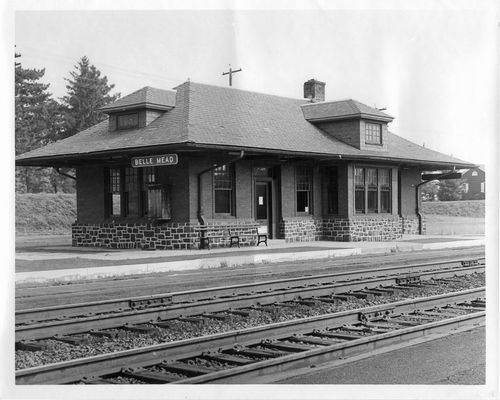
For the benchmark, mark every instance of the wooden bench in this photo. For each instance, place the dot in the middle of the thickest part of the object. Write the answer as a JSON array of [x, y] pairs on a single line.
[[205, 238], [234, 238], [262, 235]]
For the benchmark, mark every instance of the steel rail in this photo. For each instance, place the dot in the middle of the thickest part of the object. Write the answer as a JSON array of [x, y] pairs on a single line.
[[103, 306], [74, 370], [165, 312], [261, 372]]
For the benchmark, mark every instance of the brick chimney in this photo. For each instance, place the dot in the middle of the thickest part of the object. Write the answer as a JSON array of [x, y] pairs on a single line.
[[314, 90]]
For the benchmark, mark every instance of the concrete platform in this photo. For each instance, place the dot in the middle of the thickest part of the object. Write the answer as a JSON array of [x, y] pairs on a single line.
[[40, 259]]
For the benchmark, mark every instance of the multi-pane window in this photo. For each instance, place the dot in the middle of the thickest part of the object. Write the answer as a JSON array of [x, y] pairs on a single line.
[[372, 190], [332, 191], [373, 133], [223, 190], [127, 121], [303, 188], [115, 192], [359, 190], [135, 193], [384, 179], [131, 192]]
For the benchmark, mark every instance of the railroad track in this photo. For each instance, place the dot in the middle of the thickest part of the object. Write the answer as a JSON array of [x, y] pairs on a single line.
[[249, 355], [35, 324]]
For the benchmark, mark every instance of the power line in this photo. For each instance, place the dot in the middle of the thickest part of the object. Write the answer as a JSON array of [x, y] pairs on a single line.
[[119, 69]]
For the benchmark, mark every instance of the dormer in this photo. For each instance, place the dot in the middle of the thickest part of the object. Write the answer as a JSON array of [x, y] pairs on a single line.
[[350, 121], [139, 109]]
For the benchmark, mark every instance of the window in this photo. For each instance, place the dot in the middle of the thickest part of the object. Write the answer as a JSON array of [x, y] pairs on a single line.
[[131, 192], [373, 133], [359, 190], [135, 192], [156, 197], [466, 187], [384, 180], [303, 186], [223, 190], [332, 193], [115, 192], [474, 173], [482, 187], [372, 190], [127, 121]]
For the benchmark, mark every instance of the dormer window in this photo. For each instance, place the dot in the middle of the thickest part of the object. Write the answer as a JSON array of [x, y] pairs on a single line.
[[128, 121], [373, 133]]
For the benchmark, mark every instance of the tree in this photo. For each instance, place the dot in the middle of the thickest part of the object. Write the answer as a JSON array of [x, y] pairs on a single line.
[[38, 120], [429, 191], [87, 92], [450, 189]]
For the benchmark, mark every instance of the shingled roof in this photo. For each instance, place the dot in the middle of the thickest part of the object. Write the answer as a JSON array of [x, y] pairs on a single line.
[[333, 110], [208, 116], [146, 97]]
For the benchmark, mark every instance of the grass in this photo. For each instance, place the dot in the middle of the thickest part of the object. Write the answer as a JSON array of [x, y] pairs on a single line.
[[45, 213]]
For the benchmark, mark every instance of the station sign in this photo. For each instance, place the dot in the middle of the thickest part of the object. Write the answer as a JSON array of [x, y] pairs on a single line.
[[150, 161]]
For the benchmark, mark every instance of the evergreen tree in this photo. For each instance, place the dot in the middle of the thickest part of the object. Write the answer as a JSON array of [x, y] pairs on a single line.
[[87, 92], [38, 120], [450, 189]]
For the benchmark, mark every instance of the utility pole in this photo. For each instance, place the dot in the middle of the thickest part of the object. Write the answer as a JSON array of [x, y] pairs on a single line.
[[230, 73]]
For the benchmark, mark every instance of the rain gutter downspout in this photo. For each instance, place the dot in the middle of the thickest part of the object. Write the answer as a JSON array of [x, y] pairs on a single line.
[[200, 214], [417, 197]]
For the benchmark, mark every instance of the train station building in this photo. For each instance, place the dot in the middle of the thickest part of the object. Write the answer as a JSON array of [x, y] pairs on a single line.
[[168, 166]]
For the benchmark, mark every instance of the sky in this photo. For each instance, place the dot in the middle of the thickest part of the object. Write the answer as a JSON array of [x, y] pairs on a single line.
[[433, 70]]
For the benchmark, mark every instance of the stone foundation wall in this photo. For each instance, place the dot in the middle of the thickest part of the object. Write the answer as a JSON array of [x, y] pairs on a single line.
[[177, 236], [375, 229], [348, 229], [300, 229], [410, 225], [172, 236]]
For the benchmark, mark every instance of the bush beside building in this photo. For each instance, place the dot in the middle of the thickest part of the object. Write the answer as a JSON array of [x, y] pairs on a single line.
[[463, 208]]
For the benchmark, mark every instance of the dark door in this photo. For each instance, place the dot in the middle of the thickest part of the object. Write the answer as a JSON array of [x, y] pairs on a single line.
[[263, 205]]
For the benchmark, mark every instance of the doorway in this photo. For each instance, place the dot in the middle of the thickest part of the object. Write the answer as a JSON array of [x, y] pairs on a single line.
[[263, 205]]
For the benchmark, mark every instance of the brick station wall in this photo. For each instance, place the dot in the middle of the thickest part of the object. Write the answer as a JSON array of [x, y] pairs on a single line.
[[171, 236]]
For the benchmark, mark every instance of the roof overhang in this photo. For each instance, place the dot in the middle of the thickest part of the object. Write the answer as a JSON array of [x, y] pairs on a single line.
[[99, 156], [137, 106], [351, 116]]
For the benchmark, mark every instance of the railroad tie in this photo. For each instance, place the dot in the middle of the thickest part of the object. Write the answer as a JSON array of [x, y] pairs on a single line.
[[255, 353], [185, 369], [193, 320], [338, 335], [311, 340], [227, 358], [219, 317], [139, 328], [240, 313], [40, 345], [96, 381], [115, 334], [288, 347], [147, 376], [75, 340]]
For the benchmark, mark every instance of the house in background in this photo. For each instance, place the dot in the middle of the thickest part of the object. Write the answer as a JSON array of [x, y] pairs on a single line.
[[474, 184], [169, 166]]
